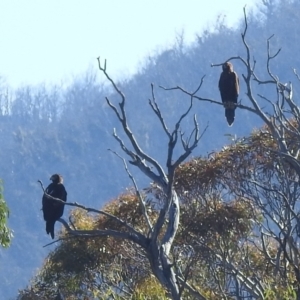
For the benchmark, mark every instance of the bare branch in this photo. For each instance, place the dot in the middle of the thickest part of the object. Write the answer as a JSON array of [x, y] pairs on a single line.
[[138, 194], [229, 59], [179, 88], [207, 99], [133, 232], [191, 290], [123, 120], [156, 110], [106, 232]]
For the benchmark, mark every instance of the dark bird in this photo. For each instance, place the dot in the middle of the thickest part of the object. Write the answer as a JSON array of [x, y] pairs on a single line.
[[229, 89], [52, 209]]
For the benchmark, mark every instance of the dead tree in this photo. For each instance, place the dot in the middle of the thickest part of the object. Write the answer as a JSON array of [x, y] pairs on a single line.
[[277, 198], [157, 241]]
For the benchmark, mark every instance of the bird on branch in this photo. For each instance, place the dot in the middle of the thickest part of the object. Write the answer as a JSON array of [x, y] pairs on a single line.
[[229, 90], [52, 209]]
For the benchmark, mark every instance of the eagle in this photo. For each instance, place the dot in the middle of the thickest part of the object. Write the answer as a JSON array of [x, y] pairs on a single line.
[[52, 209], [229, 90]]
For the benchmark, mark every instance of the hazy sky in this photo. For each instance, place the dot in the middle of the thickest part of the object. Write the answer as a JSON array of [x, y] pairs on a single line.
[[53, 40]]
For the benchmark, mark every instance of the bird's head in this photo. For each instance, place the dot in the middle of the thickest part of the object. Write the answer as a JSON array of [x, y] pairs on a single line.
[[227, 67], [56, 178]]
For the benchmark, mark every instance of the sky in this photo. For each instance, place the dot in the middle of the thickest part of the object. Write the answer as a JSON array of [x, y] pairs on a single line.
[[53, 41]]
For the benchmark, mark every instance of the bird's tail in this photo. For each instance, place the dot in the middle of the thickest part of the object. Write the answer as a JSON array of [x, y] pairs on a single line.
[[50, 228], [230, 114]]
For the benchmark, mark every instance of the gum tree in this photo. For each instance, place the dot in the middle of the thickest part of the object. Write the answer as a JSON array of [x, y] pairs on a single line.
[[5, 232]]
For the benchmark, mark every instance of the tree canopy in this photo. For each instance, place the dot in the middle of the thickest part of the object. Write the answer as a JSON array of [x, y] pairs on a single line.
[[220, 247], [5, 232]]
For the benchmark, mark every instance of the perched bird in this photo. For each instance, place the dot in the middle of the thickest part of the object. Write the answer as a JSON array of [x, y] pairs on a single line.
[[229, 90], [52, 209]]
